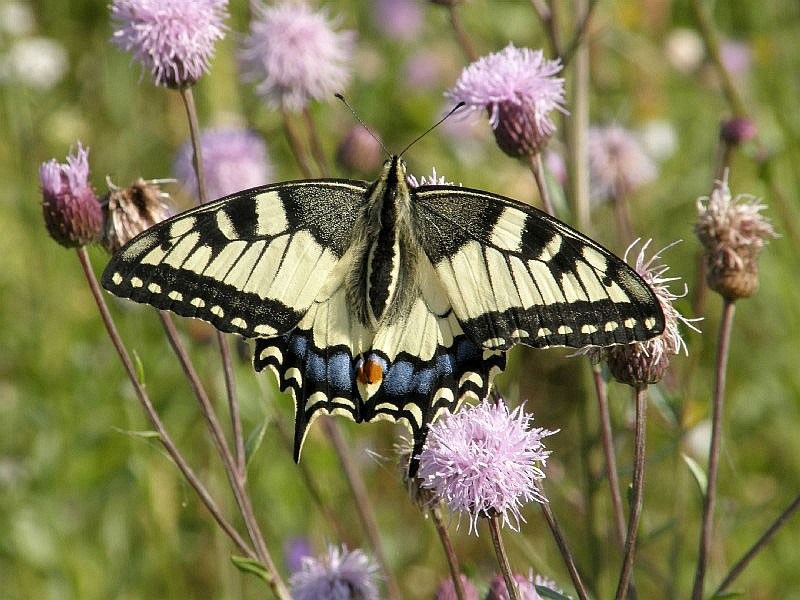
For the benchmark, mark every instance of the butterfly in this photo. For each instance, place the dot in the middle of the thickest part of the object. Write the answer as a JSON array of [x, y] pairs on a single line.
[[381, 300]]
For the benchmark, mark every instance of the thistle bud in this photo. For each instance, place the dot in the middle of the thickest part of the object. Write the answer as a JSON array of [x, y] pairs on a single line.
[[70, 207]]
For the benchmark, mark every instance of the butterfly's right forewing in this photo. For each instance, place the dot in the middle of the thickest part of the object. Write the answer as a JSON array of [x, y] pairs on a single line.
[[251, 263]]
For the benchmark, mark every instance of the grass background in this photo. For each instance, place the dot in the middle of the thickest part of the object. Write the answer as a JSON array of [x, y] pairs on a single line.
[[90, 510]]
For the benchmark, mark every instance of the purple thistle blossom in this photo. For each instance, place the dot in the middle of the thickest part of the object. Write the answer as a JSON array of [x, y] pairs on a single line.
[[339, 575], [519, 90], [70, 207], [447, 591], [525, 585], [618, 164], [234, 159], [398, 19], [484, 460], [173, 39], [294, 55], [642, 363]]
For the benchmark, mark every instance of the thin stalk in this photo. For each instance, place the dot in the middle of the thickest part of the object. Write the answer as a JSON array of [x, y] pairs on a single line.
[[623, 219], [577, 132], [740, 565], [712, 45], [638, 488], [294, 144], [461, 34], [233, 407], [723, 348], [316, 145], [218, 437], [449, 552], [152, 414], [194, 134], [502, 557], [561, 542], [580, 32], [547, 17], [537, 168], [608, 451], [365, 510]]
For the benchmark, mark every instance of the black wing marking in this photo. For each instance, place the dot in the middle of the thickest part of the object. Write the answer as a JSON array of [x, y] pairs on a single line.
[[517, 275], [251, 263]]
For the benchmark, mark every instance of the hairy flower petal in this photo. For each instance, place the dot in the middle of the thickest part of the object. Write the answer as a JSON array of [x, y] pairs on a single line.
[[337, 575]]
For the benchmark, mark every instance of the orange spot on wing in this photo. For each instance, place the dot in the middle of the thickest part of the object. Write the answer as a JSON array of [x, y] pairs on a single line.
[[369, 371]]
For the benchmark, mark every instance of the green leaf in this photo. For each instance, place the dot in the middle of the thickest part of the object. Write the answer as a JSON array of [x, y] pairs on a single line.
[[546, 592], [146, 433], [253, 441], [697, 471], [139, 367], [249, 565]]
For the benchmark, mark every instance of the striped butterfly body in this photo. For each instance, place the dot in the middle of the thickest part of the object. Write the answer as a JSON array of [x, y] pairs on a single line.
[[381, 301]]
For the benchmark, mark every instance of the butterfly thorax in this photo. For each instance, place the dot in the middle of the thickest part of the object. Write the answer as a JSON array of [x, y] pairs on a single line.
[[386, 256]]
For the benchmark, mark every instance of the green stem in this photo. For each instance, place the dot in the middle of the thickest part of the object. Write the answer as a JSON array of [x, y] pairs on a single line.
[[449, 552], [502, 557], [537, 168], [723, 348]]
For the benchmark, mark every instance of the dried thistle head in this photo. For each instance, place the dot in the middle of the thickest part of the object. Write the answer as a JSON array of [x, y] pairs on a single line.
[[129, 211], [732, 231]]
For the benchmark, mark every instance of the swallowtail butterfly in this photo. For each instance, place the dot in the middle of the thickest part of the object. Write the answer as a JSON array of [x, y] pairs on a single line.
[[384, 301]]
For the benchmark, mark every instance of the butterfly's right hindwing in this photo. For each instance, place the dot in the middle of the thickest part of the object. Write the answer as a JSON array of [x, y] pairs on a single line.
[[251, 263]]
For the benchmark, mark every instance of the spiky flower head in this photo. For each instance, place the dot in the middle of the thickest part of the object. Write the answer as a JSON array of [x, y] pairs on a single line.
[[129, 211], [234, 159], [484, 461], [70, 207], [447, 590], [526, 586], [643, 363], [517, 87], [733, 231], [336, 575], [618, 164], [294, 55], [173, 39]]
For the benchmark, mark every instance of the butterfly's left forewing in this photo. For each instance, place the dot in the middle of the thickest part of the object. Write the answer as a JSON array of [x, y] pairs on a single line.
[[251, 263], [516, 275]]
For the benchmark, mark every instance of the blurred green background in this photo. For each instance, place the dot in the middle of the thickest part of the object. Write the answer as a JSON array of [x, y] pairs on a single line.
[[90, 510]]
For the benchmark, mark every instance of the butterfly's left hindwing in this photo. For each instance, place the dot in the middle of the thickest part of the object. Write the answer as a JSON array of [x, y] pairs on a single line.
[[516, 275], [251, 263]]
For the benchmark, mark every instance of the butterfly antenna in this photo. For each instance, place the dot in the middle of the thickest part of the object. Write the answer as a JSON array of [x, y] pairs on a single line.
[[364, 125], [432, 127]]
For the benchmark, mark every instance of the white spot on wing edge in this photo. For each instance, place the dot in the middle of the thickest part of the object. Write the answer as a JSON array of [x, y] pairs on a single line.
[[154, 288], [217, 310], [611, 326], [116, 278], [265, 330], [588, 329], [471, 376], [271, 351], [136, 282], [175, 295], [239, 322], [649, 322], [630, 323], [198, 302], [294, 373], [564, 330]]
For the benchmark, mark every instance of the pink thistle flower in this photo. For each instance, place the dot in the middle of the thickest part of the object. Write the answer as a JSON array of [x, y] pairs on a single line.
[[339, 575], [526, 586], [484, 460], [294, 55], [618, 165], [70, 207], [173, 39], [642, 363], [733, 232], [234, 159], [519, 90], [447, 591], [398, 19]]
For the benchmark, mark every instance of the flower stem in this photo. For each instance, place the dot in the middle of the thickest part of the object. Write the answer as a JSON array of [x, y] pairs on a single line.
[[537, 168], [608, 451], [365, 510], [569, 561], [502, 557], [461, 34], [623, 219], [547, 17], [294, 144], [233, 407], [638, 488], [577, 127], [194, 134], [316, 146], [737, 569], [153, 416], [580, 31], [723, 346], [449, 552]]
